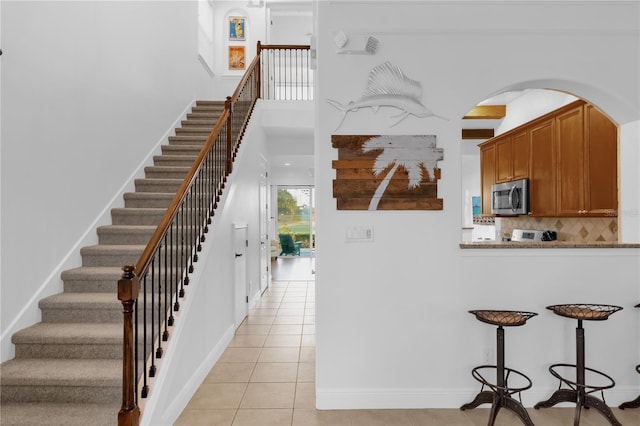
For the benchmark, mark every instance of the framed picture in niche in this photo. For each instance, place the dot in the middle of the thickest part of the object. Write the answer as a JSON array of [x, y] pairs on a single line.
[[236, 28], [236, 57]]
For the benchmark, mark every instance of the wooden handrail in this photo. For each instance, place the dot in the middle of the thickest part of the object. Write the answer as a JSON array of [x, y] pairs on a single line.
[[143, 262], [182, 224]]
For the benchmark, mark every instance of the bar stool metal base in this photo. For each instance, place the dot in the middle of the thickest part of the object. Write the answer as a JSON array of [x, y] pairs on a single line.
[[579, 396], [636, 402], [500, 396], [579, 392]]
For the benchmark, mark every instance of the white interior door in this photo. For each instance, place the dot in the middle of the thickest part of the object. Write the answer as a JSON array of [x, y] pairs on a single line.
[[265, 240], [240, 263]]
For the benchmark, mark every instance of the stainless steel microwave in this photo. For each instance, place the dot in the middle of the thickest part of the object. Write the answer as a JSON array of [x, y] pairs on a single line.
[[510, 198]]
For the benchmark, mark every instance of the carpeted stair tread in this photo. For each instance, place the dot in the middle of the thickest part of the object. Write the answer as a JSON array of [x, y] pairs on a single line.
[[199, 122], [193, 130], [92, 272], [202, 102], [58, 414], [175, 160], [125, 234], [205, 115], [64, 372], [195, 140], [111, 255], [182, 149], [166, 172], [93, 279], [85, 301], [169, 186], [71, 333], [137, 216]]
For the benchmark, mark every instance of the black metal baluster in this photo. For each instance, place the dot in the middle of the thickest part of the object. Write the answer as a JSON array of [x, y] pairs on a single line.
[[150, 373], [185, 244], [175, 253], [159, 350], [151, 317], [136, 354], [167, 311]]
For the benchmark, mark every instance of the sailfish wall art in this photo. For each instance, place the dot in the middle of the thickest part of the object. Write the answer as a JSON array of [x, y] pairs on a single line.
[[387, 172], [388, 87]]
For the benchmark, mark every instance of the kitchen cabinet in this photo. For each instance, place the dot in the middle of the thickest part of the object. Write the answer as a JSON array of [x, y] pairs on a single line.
[[542, 176], [601, 145], [512, 157], [571, 162], [487, 174], [587, 163], [569, 156]]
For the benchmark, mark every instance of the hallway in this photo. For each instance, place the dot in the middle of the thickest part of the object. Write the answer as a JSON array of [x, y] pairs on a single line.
[[266, 376]]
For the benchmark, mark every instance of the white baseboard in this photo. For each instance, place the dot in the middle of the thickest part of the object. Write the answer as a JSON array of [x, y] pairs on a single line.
[[352, 399], [173, 411]]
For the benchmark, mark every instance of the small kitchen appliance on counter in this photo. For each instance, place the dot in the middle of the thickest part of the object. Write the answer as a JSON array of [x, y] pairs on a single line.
[[533, 235]]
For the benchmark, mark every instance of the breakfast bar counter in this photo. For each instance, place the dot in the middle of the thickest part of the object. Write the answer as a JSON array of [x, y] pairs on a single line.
[[483, 244]]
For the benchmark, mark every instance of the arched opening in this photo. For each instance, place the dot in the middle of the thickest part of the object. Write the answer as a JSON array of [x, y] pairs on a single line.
[[523, 103]]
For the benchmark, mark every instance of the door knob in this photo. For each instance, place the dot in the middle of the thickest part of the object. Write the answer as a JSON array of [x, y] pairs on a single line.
[[238, 254]]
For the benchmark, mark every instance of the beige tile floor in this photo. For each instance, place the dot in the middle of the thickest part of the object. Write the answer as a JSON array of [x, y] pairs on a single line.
[[266, 376]]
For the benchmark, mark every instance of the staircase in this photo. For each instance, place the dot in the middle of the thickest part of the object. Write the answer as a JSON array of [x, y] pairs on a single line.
[[67, 369]]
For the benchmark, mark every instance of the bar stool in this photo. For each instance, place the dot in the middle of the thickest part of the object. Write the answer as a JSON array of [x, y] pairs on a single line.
[[579, 392], [500, 394], [636, 402]]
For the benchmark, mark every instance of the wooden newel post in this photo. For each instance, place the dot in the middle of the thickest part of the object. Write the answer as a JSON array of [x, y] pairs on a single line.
[[230, 120], [128, 287], [258, 69]]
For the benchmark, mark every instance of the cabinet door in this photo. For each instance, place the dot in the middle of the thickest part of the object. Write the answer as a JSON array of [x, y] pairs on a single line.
[[520, 155], [504, 163], [487, 175], [571, 160], [601, 144], [542, 179]]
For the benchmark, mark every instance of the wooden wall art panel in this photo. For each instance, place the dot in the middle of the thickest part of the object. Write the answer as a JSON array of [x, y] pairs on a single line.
[[386, 172]]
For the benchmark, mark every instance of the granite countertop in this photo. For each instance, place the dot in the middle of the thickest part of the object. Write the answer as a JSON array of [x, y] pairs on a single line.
[[545, 244]]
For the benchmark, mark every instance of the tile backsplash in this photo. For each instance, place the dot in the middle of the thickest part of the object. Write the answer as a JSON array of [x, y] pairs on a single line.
[[578, 229]]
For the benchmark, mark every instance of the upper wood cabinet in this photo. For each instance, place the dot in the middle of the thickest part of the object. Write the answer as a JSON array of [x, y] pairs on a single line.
[[512, 157], [569, 156], [487, 175], [571, 162], [543, 177], [601, 164]]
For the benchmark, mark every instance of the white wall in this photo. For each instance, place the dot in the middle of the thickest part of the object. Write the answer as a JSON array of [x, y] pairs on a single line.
[[532, 104], [392, 322], [227, 80], [89, 89]]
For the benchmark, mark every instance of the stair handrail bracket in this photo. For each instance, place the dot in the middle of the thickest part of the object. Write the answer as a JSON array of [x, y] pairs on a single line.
[[151, 289]]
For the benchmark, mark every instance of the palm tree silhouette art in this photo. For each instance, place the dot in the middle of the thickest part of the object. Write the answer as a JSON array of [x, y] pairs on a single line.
[[408, 152]]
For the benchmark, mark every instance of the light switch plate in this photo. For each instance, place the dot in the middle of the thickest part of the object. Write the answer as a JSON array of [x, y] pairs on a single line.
[[359, 234]]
